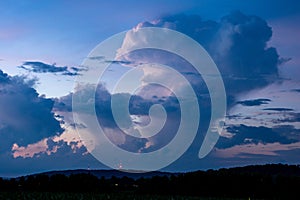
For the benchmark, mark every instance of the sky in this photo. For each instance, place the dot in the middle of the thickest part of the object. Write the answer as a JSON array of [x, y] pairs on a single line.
[[45, 48]]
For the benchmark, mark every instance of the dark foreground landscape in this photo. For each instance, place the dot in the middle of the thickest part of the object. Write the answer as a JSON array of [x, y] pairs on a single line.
[[251, 182]]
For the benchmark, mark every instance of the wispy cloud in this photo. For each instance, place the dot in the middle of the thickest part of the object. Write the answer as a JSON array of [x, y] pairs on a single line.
[[289, 117], [295, 90], [249, 150], [254, 102], [41, 67], [248, 135], [278, 109], [124, 62]]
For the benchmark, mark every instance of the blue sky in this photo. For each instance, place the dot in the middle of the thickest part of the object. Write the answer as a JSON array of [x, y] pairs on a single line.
[[43, 44]]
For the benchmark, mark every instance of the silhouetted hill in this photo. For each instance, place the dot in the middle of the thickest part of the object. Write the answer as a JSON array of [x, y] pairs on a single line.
[[274, 181], [268, 169], [107, 174]]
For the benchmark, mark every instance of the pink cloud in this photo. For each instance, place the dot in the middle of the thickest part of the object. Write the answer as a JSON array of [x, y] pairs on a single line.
[[30, 150], [69, 136], [255, 149]]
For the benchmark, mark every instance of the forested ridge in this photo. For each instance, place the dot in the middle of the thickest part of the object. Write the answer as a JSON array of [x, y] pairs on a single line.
[[276, 181]]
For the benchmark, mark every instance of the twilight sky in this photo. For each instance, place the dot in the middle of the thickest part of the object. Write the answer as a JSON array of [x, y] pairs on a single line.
[[255, 45]]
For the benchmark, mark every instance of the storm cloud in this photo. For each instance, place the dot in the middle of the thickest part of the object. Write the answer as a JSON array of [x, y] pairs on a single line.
[[25, 117], [279, 109], [238, 44], [243, 134], [139, 107]]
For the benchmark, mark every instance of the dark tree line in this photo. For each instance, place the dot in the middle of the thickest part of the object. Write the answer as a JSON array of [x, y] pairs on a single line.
[[269, 181]]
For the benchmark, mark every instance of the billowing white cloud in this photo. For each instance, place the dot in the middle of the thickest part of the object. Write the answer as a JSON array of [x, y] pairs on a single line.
[[238, 44]]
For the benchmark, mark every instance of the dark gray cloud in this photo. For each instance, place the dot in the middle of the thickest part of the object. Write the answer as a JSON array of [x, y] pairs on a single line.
[[138, 104], [295, 90], [284, 60], [25, 116], [288, 117], [139, 107], [244, 39], [63, 103], [288, 131], [122, 62], [96, 57], [103, 59], [3, 77], [254, 102], [40, 67], [243, 134], [278, 109], [70, 74]]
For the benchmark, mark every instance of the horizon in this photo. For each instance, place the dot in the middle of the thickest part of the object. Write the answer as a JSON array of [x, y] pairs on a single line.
[[236, 104], [141, 173]]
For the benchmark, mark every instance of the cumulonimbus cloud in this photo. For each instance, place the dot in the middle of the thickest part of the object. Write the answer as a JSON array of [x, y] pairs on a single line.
[[238, 44], [25, 116]]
